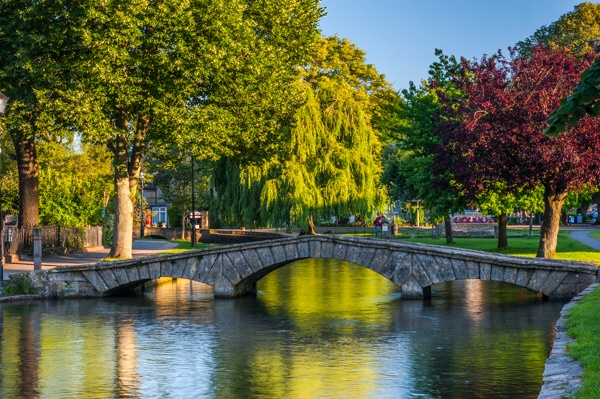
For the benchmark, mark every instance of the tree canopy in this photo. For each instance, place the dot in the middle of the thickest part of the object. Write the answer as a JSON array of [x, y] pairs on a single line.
[[501, 143], [329, 165]]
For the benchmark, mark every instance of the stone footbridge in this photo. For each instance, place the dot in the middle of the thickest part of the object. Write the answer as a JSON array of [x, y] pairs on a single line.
[[233, 270]]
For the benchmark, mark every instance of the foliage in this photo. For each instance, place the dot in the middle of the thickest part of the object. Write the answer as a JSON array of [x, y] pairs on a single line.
[[73, 184], [578, 30], [500, 143], [19, 285], [328, 166], [411, 171], [585, 100]]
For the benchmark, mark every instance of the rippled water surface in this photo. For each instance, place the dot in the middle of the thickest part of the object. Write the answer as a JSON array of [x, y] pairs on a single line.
[[316, 329]]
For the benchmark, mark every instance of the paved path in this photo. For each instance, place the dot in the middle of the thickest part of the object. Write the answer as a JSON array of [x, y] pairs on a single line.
[[140, 248], [583, 236]]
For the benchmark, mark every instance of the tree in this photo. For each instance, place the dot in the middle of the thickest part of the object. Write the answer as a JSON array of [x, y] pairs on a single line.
[[129, 75], [35, 54], [410, 169], [329, 163], [578, 30], [501, 140]]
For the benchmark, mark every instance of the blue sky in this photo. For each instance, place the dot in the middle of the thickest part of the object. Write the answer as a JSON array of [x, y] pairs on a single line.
[[400, 36]]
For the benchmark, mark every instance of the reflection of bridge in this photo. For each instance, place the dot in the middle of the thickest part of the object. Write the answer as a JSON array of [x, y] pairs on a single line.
[[233, 270]]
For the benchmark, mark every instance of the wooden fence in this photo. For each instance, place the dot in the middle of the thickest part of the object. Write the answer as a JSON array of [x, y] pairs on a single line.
[[55, 239]]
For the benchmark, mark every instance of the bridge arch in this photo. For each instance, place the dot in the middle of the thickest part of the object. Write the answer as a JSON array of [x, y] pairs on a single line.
[[233, 270]]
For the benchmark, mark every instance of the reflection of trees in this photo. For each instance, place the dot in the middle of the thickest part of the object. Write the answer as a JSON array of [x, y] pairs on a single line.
[[310, 333], [472, 348]]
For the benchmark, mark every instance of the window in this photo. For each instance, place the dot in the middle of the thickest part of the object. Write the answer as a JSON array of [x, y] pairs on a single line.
[[159, 215]]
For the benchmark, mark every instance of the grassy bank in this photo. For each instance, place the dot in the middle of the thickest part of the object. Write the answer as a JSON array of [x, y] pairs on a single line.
[[568, 248], [583, 323]]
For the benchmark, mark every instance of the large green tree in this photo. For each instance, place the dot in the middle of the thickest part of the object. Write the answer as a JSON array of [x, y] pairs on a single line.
[[578, 30], [213, 76], [329, 164], [410, 169]]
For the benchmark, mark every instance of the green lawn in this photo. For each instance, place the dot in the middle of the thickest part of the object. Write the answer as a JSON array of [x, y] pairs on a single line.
[[595, 234], [583, 323], [183, 246], [568, 248]]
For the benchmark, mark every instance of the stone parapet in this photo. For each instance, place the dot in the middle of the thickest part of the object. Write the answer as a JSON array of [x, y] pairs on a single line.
[[233, 270]]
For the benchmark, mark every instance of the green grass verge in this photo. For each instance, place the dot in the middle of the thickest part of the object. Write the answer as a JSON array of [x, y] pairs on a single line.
[[183, 246], [595, 234], [583, 323], [567, 249]]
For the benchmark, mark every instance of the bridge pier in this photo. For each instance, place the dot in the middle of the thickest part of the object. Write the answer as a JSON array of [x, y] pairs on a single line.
[[413, 290], [224, 289]]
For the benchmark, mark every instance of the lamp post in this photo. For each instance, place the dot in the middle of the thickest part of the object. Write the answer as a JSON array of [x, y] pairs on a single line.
[[193, 244], [142, 213], [3, 102]]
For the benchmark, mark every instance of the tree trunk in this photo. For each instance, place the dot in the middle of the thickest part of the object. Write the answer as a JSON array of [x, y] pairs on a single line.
[[183, 225], [448, 227], [502, 231], [310, 229], [123, 225], [553, 203], [28, 182]]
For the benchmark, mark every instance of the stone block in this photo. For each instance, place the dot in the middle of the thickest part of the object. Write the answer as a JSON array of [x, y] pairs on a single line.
[[353, 254], [96, 281], [485, 271], [379, 259], [428, 265], [132, 273], [420, 275], [315, 249], [278, 254], [266, 256], [109, 278], [365, 257], [204, 268], [144, 271], [303, 249], [291, 252], [121, 275], [177, 268], [472, 269], [166, 268], [253, 260], [154, 270], [327, 250], [523, 277], [445, 268], [510, 275], [228, 270], [497, 273], [460, 269], [239, 264], [215, 271], [553, 281], [191, 264], [537, 280], [339, 251]]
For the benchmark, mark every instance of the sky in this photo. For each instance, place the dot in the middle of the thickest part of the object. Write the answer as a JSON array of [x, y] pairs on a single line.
[[400, 36]]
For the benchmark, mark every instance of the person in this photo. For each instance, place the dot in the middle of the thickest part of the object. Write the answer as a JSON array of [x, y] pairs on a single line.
[[378, 223]]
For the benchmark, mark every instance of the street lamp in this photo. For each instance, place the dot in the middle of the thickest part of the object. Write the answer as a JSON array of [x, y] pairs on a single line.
[[193, 243], [3, 102], [142, 214]]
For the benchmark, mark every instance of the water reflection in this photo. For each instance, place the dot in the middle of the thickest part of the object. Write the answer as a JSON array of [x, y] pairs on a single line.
[[316, 329]]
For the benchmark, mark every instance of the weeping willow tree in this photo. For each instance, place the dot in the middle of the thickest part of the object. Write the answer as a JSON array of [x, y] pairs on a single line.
[[329, 165]]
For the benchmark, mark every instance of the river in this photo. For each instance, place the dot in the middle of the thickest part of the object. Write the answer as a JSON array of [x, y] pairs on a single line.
[[316, 329]]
